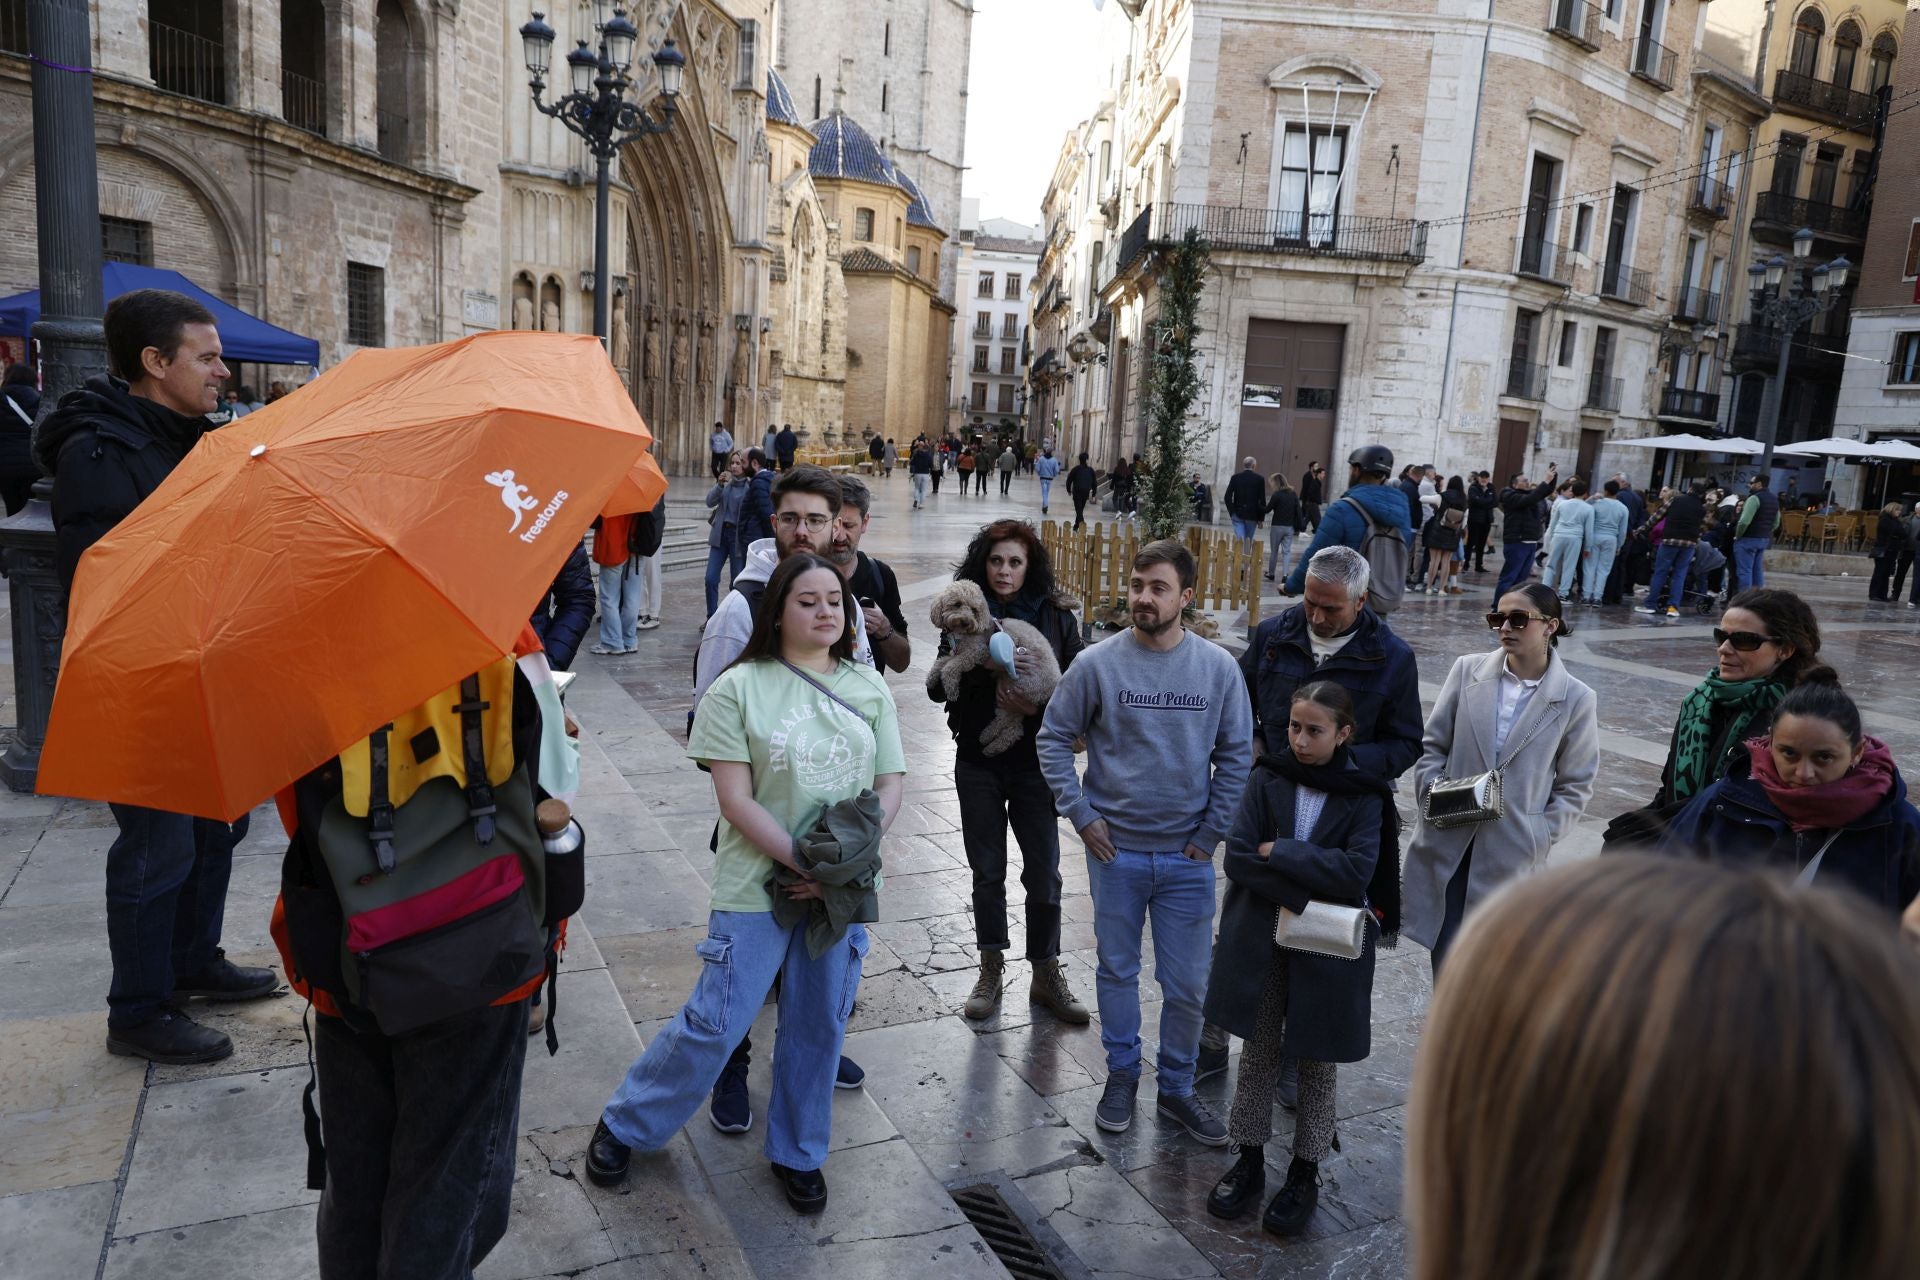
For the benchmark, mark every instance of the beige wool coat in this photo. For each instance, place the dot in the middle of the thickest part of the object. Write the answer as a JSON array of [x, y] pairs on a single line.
[[1551, 755]]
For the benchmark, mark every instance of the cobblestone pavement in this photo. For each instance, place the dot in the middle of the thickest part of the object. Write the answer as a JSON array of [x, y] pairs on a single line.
[[110, 1168]]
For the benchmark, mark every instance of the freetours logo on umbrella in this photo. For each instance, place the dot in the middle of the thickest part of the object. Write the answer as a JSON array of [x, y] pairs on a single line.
[[519, 500]]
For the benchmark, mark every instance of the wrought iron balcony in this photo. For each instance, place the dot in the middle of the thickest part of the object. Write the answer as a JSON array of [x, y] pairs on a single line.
[[1653, 62], [1695, 406], [1698, 306], [1526, 381], [1134, 241], [1291, 232], [187, 64], [1710, 199], [1577, 21], [1787, 211], [1603, 392], [1623, 283], [1544, 260], [1837, 103], [303, 103]]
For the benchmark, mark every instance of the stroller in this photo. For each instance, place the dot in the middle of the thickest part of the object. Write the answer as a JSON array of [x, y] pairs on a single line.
[[1704, 578]]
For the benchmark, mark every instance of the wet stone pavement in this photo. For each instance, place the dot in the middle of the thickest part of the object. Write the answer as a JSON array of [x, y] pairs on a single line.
[[109, 1168]]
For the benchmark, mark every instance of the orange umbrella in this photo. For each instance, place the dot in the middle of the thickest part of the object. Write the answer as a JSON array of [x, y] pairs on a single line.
[[327, 562], [639, 490]]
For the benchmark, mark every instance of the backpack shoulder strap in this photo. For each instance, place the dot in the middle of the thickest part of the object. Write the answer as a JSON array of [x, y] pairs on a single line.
[[473, 750], [379, 807], [1372, 524]]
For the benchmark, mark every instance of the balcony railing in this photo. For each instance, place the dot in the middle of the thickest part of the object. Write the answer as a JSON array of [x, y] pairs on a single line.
[[393, 140], [1526, 381], [1544, 260], [1653, 62], [1623, 283], [186, 64], [1604, 393], [303, 103], [1291, 232], [1826, 219], [1134, 240], [1843, 106], [1577, 21], [1699, 306], [1710, 198], [1698, 406]]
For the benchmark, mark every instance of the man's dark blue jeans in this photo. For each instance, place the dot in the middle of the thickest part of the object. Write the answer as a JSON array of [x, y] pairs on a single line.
[[166, 901], [420, 1132], [1516, 569]]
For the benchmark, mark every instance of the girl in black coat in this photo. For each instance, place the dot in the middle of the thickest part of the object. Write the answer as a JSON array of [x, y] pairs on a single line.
[[1308, 829]]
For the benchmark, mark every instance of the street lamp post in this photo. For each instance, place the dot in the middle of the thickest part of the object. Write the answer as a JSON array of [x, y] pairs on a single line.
[[598, 110], [1785, 303]]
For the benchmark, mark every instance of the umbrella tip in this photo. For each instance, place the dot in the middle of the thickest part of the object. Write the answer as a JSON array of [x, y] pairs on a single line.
[[256, 451]]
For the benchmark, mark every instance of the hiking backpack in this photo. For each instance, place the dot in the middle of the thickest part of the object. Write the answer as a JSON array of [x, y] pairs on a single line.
[[1387, 553], [647, 530]]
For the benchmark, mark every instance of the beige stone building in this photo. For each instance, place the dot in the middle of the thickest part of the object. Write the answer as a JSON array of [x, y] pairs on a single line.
[[1449, 227], [993, 275]]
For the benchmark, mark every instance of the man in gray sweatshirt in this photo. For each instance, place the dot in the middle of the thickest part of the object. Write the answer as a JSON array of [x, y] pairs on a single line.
[[1169, 739]]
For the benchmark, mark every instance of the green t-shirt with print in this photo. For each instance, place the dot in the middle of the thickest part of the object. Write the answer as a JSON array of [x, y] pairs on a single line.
[[807, 753]]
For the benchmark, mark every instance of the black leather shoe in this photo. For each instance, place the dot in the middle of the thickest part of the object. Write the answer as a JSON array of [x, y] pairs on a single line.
[[607, 1157], [225, 980], [1293, 1204], [806, 1188], [172, 1038], [1234, 1194]]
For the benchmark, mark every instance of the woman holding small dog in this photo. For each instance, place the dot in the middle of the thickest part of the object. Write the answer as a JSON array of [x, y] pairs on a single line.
[[1008, 564]]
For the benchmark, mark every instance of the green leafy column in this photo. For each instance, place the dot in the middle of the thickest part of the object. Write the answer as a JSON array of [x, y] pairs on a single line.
[[1173, 381]]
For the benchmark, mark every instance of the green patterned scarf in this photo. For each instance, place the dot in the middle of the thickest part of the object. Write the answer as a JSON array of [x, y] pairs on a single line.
[[1700, 758]]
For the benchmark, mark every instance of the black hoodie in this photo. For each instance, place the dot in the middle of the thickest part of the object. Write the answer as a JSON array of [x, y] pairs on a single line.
[[107, 449]]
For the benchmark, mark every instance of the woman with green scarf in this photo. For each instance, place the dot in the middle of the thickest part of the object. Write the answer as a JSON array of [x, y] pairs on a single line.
[[1767, 641]]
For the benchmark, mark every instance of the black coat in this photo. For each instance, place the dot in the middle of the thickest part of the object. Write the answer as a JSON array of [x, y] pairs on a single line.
[[1246, 496], [107, 449], [1284, 508], [1685, 516], [1526, 513], [1082, 480], [563, 615], [1890, 538], [1481, 500], [968, 714], [1329, 1002]]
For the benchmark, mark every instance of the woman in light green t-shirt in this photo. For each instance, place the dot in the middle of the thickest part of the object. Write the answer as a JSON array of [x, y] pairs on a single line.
[[794, 726]]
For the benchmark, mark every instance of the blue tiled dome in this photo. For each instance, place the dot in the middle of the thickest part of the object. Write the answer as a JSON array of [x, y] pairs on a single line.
[[779, 101], [919, 214], [845, 150]]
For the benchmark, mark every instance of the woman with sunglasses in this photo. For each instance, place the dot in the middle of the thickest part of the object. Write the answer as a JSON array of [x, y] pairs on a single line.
[[1766, 643], [1815, 796], [1517, 710]]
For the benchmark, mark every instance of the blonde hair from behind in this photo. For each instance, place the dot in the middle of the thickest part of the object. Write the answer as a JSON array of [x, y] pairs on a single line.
[[1650, 1069]]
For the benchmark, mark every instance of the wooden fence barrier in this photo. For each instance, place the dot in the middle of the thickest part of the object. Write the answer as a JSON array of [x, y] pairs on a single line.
[[1094, 563]]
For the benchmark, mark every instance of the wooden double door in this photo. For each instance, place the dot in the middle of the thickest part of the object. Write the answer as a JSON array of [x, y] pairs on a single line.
[[1290, 396]]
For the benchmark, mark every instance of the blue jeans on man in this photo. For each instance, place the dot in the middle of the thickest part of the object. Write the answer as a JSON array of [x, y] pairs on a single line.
[[1517, 567], [1670, 564], [623, 598], [743, 950], [167, 879], [1749, 556], [1176, 893]]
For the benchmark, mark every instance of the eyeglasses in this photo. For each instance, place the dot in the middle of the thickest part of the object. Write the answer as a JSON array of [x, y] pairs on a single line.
[[1518, 619], [1744, 641], [792, 520]]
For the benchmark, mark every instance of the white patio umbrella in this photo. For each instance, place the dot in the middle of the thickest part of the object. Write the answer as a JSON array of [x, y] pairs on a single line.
[[1832, 447], [1696, 444]]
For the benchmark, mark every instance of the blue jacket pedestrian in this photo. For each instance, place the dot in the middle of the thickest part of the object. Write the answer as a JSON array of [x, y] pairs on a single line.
[[1342, 526], [566, 611], [756, 508]]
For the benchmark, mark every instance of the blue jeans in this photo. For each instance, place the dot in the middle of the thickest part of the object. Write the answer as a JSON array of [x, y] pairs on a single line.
[[620, 590], [1279, 550], [1516, 569], [1670, 562], [167, 879], [1177, 892], [743, 950], [1748, 557], [1600, 567], [728, 551], [1563, 559], [1046, 489], [1245, 530]]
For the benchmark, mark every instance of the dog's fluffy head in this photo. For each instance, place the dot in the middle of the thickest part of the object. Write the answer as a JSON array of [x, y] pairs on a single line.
[[961, 607]]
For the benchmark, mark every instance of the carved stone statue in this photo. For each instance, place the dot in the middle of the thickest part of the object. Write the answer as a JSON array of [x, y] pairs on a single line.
[[650, 353], [742, 359], [708, 367], [523, 313], [550, 316], [677, 378], [622, 343]]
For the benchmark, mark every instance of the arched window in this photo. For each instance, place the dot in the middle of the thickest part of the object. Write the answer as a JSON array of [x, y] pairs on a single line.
[[1846, 52], [863, 224], [393, 60], [1805, 54], [1880, 62]]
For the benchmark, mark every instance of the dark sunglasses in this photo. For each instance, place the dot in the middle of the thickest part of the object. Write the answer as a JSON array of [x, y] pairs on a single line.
[[1518, 619], [1744, 641]]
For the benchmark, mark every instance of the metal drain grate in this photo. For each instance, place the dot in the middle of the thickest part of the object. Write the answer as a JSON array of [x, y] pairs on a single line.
[[1011, 1240]]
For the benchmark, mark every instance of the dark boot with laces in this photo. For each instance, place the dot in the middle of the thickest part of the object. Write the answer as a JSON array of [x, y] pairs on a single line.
[[1237, 1192], [1291, 1207]]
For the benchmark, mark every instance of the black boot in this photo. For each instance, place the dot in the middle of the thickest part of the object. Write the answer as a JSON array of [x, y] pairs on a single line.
[[607, 1157], [225, 980], [1293, 1204], [1235, 1193], [171, 1038]]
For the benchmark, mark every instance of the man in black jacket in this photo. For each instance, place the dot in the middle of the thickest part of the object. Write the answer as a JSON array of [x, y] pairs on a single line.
[[1081, 482], [1679, 539], [1524, 505], [109, 445], [785, 445], [1312, 494], [1247, 500], [1482, 498]]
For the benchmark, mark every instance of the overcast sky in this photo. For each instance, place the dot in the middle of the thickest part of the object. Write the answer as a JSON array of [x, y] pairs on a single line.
[[1034, 76]]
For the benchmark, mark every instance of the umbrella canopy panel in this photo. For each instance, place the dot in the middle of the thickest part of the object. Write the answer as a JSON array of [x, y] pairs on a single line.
[[242, 337], [1696, 444]]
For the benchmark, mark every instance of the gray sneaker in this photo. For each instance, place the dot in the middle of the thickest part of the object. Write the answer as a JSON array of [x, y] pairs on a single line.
[[1115, 1112], [1192, 1115]]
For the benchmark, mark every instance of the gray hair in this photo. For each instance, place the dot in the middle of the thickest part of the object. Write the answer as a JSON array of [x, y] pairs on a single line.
[[854, 493], [1341, 567]]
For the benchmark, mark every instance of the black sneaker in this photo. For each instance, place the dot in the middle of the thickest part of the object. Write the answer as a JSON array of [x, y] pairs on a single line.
[[849, 1074], [224, 980], [607, 1157], [730, 1109], [1293, 1204], [172, 1038], [1211, 1062], [1235, 1193], [806, 1188]]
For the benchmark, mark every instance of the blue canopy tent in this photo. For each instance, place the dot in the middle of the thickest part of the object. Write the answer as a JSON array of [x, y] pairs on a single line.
[[242, 337]]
